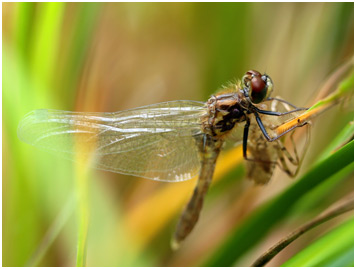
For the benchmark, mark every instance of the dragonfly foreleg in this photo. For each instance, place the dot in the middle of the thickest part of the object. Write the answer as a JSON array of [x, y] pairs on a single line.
[[282, 101], [265, 133], [276, 113], [245, 138], [245, 142]]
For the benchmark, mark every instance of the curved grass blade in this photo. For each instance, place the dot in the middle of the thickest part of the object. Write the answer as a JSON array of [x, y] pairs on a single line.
[[52, 233], [328, 214], [336, 248], [344, 136]]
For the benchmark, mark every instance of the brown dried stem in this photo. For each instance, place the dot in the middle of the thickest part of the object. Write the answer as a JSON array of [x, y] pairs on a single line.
[[335, 210]]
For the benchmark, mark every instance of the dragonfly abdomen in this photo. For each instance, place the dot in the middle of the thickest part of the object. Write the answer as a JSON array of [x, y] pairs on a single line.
[[210, 149]]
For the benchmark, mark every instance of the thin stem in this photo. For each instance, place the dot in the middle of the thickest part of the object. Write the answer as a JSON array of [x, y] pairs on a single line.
[[331, 212], [83, 214], [52, 232], [343, 91]]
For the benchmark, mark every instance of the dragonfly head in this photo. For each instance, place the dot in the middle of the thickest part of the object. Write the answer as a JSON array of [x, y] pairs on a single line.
[[257, 87]]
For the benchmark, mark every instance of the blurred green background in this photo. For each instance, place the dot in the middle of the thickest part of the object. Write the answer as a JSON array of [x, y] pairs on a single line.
[[115, 56]]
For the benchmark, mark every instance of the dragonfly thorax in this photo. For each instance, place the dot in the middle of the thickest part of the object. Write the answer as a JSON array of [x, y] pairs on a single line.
[[224, 111]]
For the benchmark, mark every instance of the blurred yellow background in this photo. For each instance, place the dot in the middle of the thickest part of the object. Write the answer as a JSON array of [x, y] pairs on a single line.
[[116, 56]]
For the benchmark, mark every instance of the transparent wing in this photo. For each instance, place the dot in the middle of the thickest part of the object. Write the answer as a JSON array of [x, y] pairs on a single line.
[[267, 155], [262, 156], [156, 141]]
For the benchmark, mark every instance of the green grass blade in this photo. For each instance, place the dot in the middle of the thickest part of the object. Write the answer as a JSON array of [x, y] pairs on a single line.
[[45, 42], [251, 231], [344, 136], [52, 232], [82, 178], [22, 26], [344, 89], [333, 249], [83, 32]]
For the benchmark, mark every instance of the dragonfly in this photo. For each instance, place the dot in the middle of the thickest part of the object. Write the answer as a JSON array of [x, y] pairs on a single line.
[[176, 140]]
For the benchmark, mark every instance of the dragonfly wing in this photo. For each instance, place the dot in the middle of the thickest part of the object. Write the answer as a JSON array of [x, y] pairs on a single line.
[[156, 141], [164, 158], [262, 156], [266, 155]]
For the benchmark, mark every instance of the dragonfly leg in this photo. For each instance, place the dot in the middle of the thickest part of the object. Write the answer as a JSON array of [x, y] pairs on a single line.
[[282, 101], [260, 161], [276, 113], [275, 101], [263, 129], [245, 138], [265, 133], [282, 155], [295, 160], [245, 142]]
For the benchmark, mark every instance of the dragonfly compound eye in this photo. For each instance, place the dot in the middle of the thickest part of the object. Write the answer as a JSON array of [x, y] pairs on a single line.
[[260, 88], [248, 76]]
